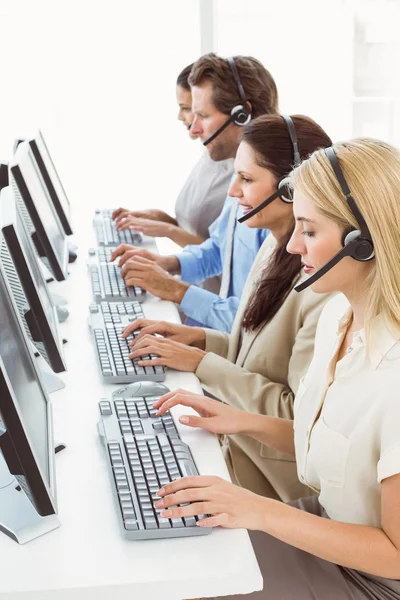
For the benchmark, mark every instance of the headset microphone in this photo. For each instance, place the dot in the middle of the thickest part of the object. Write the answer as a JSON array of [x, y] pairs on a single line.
[[357, 243], [284, 191], [240, 114]]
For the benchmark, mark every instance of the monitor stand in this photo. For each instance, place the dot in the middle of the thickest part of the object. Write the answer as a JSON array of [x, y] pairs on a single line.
[[51, 381], [18, 517]]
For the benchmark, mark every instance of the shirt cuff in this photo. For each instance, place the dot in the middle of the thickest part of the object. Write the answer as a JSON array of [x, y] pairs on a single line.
[[389, 463], [197, 303], [189, 267]]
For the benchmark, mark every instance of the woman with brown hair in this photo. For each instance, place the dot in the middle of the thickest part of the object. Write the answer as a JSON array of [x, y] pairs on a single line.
[[258, 366]]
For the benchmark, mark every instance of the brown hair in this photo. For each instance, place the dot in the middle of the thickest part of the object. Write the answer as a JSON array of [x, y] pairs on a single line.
[[258, 84], [269, 137], [183, 77]]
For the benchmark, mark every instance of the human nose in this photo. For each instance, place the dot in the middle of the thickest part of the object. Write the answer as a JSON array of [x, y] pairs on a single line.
[[196, 128], [235, 189], [296, 243]]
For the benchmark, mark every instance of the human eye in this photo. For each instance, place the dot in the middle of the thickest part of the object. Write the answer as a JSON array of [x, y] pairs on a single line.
[[308, 233], [245, 179]]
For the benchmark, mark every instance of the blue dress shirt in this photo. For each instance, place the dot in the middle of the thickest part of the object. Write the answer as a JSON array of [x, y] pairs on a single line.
[[205, 260]]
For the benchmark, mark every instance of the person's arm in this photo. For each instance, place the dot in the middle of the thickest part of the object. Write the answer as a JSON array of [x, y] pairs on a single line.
[[370, 549], [200, 262], [235, 385], [209, 309], [182, 237]]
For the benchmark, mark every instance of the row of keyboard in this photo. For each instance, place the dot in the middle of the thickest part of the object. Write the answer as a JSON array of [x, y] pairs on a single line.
[[144, 453]]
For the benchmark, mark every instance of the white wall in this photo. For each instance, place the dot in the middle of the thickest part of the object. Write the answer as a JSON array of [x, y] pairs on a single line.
[[308, 48], [98, 77]]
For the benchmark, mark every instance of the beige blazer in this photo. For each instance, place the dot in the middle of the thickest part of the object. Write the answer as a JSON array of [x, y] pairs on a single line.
[[260, 372]]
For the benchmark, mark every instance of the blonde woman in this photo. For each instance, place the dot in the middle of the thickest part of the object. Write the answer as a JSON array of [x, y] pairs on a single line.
[[345, 543]]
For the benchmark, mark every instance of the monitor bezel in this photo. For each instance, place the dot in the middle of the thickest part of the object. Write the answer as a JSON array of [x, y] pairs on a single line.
[[51, 340], [34, 143], [60, 269]]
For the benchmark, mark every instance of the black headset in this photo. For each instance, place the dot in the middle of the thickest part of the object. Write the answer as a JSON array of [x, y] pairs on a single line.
[[240, 114], [284, 191], [357, 243]]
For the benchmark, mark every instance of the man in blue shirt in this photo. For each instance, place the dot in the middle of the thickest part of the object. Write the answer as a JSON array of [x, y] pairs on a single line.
[[226, 94]]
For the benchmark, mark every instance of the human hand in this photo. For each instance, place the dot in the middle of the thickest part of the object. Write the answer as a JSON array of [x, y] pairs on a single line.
[[149, 275], [227, 504], [120, 213], [169, 354], [215, 416], [145, 226], [126, 251], [191, 336]]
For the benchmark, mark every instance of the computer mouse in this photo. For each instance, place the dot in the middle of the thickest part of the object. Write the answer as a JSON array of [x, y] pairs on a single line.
[[92, 252], [142, 389]]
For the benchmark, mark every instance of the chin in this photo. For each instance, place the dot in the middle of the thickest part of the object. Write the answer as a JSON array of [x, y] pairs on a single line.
[[323, 287]]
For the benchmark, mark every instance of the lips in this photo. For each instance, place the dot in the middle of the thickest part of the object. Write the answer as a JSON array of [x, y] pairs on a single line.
[[307, 268], [246, 208]]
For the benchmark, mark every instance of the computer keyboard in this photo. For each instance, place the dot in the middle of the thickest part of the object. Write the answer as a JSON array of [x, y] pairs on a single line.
[[144, 453], [107, 234], [106, 321], [107, 283]]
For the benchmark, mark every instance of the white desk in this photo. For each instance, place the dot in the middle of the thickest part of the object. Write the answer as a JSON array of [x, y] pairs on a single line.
[[87, 558]]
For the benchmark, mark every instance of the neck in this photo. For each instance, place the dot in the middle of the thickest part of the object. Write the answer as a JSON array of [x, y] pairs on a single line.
[[278, 231], [357, 303]]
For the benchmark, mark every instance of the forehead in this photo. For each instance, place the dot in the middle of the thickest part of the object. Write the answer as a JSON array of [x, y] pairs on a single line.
[[183, 96], [303, 207], [202, 96], [245, 157]]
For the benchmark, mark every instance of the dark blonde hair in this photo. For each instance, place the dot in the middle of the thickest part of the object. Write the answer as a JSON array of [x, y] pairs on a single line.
[[258, 84]]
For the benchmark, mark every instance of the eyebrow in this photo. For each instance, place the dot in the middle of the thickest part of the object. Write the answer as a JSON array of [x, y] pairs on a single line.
[[305, 219]]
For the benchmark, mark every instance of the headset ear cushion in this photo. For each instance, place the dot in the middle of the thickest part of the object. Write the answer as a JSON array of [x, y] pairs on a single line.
[[363, 250], [285, 190], [242, 115]]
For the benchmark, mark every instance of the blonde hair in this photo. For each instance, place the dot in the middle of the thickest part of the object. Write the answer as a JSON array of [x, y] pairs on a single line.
[[372, 171]]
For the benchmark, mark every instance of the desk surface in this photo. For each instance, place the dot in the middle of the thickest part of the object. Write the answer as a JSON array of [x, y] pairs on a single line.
[[87, 558]]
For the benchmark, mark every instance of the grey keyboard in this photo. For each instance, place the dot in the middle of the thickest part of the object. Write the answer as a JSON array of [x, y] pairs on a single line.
[[106, 321], [144, 453], [107, 234], [107, 283]]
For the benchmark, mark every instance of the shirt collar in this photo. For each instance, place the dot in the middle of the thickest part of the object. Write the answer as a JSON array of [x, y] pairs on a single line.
[[382, 338]]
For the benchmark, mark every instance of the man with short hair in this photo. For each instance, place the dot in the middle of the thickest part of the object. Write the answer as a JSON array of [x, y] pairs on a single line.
[[226, 94]]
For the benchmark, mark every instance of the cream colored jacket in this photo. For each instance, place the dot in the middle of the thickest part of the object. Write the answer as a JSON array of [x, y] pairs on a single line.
[[260, 372]]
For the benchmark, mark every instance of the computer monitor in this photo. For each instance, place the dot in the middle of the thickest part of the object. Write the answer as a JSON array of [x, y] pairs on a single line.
[[51, 179], [38, 212], [27, 284], [3, 174], [27, 475]]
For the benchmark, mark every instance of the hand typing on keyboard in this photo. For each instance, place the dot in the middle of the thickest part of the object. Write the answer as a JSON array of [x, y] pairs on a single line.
[[153, 278], [192, 336], [170, 354], [124, 252], [147, 226], [215, 416], [227, 504]]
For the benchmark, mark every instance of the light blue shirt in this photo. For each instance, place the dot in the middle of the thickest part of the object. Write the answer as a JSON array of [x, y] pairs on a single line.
[[198, 263]]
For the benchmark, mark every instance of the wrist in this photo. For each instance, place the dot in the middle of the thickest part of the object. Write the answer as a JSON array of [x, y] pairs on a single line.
[[170, 264], [179, 290], [199, 338], [252, 423]]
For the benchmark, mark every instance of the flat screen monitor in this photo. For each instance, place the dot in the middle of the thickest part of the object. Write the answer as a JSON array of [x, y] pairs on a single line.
[[38, 212], [52, 180], [26, 432], [4, 180], [27, 284]]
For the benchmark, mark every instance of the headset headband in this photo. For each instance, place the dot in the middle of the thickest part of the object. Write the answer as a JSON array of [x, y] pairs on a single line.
[[235, 73], [293, 137]]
